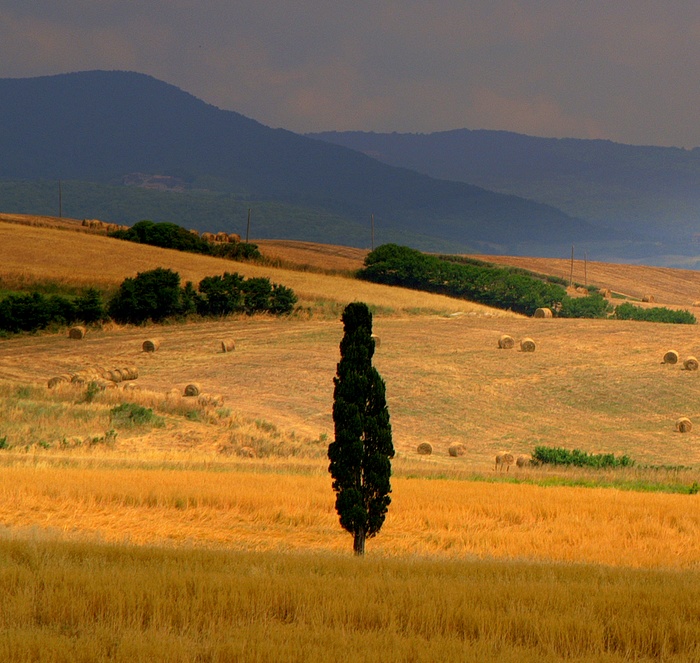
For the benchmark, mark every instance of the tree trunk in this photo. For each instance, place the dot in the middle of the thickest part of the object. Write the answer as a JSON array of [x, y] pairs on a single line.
[[358, 546]]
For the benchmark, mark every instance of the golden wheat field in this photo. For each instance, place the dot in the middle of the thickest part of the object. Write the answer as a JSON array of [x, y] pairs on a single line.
[[207, 531]]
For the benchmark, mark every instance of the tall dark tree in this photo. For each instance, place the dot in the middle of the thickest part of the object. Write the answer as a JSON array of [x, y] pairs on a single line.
[[360, 456]]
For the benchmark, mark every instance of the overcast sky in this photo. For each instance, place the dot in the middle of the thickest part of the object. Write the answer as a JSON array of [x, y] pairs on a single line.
[[624, 70]]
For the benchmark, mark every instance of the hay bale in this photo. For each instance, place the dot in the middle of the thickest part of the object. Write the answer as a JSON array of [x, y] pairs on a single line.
[[691, 364], [208, 237], [696, 303], [671, 357], [228, 345], [116, 375], [78, 332], [234, 238], [684, 425], [527, 345], [193, 389], [504, 459], [377, 341], [151, 345], [543, 313], [130, 373], [58, 379], [581, 290], [131, 386], [457, 449], [424, 449], [506, 342], [606, 292], [649, 299], [221, 237], [523, 461]]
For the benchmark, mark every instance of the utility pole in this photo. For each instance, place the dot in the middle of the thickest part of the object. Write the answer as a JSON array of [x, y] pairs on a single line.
[[372, 232], [585, 268], [60, 200], [247, 230], [571, 276]]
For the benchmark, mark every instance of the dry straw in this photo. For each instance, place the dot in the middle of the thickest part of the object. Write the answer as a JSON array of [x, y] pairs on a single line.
[[151, 345], [691, 364], [543, 313], [684, 425], [64, 378], [228, 345], [527, 345], [523, 461], [425, 448], [506, 342], [77, 333], [215, 400], [457, 449], [193, 389], [671, 357]]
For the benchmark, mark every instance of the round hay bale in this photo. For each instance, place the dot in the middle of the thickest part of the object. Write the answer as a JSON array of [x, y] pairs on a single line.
[[543, 313], [151, 345], [684, 425], [691, 364], [130, 386], [506, 342], [58, 379], [377, 340], [130, 373], [234, 238], [606, 292], [193, 389], [523, 461], [696, 303], [648, 298], [228, 345], [77, 332], [671, 357], [504, 459], [424, 449], [457, 449], [116, 375], [581, 290], [527, 345]]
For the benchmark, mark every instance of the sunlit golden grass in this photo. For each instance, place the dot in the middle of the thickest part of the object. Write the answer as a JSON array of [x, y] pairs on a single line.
[[76, 259], [83, 602], [243, 509]]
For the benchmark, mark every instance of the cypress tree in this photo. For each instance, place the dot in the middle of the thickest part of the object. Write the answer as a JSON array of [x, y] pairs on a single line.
[[360, 456]]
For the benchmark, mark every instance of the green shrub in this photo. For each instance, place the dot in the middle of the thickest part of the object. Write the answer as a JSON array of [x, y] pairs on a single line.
[[127, 415], [629, 311], [593, 306], [543, 455], [153, 295]]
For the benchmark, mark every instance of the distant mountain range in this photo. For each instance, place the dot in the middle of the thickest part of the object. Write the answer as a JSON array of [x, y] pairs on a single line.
[[126, 147], [643, 191]]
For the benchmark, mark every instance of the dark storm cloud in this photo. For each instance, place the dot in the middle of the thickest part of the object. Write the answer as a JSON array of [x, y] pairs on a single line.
[[619, 70]]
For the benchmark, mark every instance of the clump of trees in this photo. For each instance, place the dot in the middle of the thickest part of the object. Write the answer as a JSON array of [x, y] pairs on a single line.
[[153, 295], [157, 294], [33, 311], [494, 286], [171, 236]]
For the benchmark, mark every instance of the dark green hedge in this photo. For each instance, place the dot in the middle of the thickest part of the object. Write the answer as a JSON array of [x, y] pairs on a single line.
[[494, 286], [629, 311], [558, 456]]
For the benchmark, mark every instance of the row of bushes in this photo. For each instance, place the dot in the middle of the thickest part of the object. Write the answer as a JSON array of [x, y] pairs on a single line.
[[494, 286], [558, 456], [152, 295], [171, 236], [629, 311], [31, 311], [156, 295]]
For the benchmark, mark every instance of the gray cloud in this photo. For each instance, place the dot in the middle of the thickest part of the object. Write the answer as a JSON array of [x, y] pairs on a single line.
[[619, 70]]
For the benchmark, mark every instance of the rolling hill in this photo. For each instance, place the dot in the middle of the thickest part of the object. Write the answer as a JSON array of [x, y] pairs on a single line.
[[642, 191], [127, 146]]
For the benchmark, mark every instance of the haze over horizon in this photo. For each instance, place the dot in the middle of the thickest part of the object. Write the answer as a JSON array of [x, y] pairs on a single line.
[[620, 71]]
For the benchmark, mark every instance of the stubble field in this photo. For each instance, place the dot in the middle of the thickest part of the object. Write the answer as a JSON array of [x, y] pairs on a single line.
[[166, 539]]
